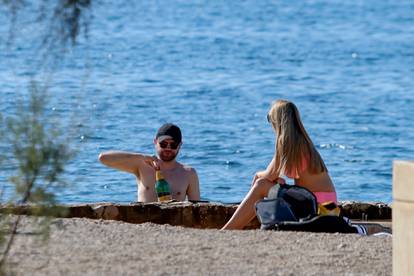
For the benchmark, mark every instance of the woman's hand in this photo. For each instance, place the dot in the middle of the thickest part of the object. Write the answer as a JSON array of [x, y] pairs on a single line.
[[281, 180], [256, 176], [262, 174]]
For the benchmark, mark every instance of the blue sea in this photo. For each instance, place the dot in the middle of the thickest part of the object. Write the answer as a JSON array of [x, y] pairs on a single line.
[[214, 68]]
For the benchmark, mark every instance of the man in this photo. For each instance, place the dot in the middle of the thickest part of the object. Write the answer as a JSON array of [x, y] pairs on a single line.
[[183, 180]]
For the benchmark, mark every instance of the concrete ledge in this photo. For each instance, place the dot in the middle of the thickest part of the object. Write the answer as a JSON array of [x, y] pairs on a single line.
[[187, 214]]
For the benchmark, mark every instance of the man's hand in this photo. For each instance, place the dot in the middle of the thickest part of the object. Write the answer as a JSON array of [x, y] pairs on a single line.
[[153, 161]]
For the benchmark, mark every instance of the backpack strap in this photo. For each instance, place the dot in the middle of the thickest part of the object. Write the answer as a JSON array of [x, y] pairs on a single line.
[[325, 224]]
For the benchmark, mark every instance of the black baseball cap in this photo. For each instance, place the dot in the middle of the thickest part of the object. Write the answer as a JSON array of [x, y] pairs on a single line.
[[169, 131]]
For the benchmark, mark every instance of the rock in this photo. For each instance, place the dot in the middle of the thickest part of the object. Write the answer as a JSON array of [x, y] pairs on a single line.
[[365, 211], [107, 212]]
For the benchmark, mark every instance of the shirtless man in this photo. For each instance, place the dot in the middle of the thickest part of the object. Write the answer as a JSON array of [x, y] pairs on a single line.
[[183, 180]]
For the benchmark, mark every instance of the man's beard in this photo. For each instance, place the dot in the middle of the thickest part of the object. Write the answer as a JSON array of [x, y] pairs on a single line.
[[166, 157]]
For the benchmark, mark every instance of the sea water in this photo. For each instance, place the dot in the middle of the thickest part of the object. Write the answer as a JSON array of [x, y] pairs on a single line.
[[214, 68]]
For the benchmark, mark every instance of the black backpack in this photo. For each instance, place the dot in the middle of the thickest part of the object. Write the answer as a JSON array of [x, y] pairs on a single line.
[[292, 203], [296, 209]]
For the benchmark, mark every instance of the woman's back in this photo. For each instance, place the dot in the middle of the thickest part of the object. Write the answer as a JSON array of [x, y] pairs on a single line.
[[320, 182]]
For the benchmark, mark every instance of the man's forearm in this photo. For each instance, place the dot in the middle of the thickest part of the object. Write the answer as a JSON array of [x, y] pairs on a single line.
[[116, 156], [126, 161]]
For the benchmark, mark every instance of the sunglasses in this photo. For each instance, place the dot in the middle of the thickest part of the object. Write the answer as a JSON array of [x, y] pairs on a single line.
[[164, 145]]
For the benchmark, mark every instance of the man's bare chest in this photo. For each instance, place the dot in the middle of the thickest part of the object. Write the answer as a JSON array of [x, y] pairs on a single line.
[[178, 180]]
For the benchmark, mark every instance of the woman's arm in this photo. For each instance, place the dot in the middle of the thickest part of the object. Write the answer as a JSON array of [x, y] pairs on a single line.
[[269, 173]]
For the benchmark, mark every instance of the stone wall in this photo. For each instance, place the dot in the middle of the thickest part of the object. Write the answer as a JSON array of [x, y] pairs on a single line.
[[187, 214]]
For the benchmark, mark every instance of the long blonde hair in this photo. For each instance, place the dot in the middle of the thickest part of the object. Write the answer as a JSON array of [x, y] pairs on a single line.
[[293, 144]]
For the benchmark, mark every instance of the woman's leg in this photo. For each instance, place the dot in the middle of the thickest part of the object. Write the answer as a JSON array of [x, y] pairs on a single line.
[[246, 212]]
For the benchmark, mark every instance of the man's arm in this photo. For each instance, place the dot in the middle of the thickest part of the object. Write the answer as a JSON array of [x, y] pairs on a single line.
[[193, 190], [125, 161]]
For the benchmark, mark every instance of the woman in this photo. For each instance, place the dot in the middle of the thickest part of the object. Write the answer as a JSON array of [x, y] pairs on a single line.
[[296, 157]]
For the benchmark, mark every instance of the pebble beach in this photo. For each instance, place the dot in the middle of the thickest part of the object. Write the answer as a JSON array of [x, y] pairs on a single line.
[[80, 246]]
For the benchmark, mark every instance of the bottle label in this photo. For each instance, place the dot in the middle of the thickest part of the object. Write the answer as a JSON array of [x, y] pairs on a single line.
[[162, 188]]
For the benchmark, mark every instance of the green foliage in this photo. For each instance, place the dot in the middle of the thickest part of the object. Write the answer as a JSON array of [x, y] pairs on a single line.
[[39, 149], [39, 152], [68, 15], [59, 24], [38, 145], [65, 18]]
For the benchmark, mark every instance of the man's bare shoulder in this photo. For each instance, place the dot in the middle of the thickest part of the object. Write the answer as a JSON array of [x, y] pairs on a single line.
[[188, 169]]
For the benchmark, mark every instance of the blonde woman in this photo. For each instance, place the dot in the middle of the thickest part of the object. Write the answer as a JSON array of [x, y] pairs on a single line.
[[296, 157]]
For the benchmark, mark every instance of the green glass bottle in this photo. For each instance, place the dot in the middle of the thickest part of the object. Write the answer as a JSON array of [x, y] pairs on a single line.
[[161, 187]]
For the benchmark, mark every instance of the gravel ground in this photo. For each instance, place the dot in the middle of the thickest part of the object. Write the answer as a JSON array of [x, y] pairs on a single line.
[[97, 247]]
